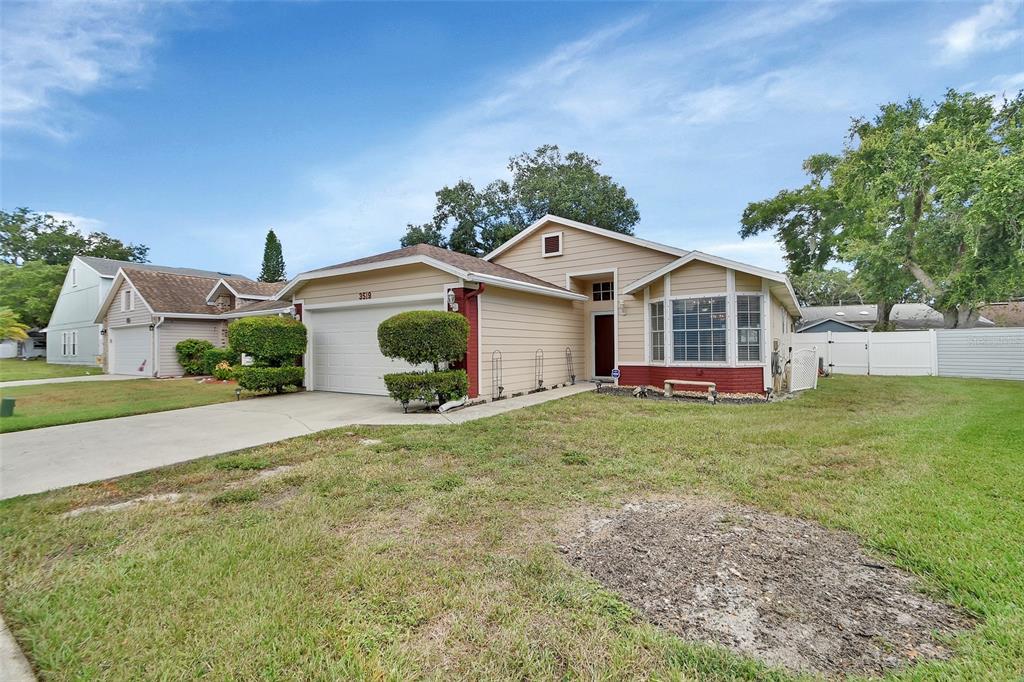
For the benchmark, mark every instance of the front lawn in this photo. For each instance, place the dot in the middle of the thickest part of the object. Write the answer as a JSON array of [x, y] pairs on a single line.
[[410, 552], [13, 369], [52, 404]]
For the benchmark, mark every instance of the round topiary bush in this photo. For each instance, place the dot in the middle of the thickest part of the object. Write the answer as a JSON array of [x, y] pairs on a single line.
[[420, 336]]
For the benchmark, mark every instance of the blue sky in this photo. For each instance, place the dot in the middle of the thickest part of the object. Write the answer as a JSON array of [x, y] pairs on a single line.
[[194, 127]]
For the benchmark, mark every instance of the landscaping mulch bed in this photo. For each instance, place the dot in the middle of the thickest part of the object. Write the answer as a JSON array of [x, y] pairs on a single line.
[[786, 591]]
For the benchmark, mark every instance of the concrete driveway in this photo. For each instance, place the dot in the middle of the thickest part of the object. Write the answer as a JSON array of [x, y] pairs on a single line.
[[43, 459]]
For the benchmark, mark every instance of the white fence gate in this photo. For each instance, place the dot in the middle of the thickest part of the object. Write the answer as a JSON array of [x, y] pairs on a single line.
[[983, 353], [805, 369]]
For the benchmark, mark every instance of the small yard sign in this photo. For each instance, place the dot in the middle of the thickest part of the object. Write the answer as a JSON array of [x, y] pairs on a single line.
[[615, 373]]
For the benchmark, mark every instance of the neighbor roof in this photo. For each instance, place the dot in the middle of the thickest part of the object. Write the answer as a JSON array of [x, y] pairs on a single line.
[[459, 264], [863, 313], [108, 268], [169, 293], [258, 306], [244, 286], [922, 316]]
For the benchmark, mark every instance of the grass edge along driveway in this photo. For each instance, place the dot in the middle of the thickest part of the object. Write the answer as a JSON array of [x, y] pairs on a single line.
[[432, 553], [44, 405]]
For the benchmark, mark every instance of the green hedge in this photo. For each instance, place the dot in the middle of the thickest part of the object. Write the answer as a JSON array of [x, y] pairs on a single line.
[[214, 356], [191, 355], [427, 386], [272, 341], [266, 379], [420, 336]]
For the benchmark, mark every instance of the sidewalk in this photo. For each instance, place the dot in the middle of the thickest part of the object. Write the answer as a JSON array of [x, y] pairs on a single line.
[[67, 380]]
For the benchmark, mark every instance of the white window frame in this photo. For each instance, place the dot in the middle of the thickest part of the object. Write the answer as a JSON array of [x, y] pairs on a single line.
[[651, 331], [561, 244], [74, 276], [124, 301], [131, 299], [760, 328], [730, 324], [74, 343], [64, 343], [610, 292]]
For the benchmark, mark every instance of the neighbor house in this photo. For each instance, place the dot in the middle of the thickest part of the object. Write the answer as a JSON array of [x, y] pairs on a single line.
[[864, 317], [560, 300], [73, 334], [146, 312]]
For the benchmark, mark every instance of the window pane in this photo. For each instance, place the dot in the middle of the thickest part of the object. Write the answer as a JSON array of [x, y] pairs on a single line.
[[698, 326]]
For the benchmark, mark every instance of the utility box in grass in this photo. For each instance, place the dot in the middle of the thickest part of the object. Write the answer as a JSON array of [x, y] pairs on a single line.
[[6, 407]]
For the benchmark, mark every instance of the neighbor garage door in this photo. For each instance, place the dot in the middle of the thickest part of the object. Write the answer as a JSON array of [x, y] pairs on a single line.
[[131, 348], [346, 357]]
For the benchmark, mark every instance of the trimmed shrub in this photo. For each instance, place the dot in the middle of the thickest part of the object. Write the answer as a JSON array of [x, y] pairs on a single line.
[[271, 341], [267, 379], [427, 386], [191, 355], [223, 372], [420, 336], [214, 356]]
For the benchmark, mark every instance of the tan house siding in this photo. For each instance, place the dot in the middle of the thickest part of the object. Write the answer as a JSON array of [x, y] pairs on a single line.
[[405, 280], [698, 278], [587, 252], [747, 282], [517, 324], [173, 330], [582, 252], [782, 327]]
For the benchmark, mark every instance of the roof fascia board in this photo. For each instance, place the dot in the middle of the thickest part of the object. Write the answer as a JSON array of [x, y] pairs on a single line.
[[829, 319], [507, 283], [256, 313], [664, 248]]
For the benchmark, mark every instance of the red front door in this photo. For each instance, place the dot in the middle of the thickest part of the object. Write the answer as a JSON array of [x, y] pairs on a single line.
[[604, 345]]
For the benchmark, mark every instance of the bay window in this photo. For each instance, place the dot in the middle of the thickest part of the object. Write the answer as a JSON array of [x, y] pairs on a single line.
[[658, 331], [748, 328], [699, 329]]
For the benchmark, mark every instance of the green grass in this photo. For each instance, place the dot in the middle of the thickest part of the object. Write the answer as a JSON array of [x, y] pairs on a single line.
[[12, 369], [433, 554], [52, 404]]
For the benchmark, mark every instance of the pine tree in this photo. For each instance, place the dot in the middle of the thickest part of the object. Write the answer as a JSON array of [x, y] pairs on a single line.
[[273, 260]]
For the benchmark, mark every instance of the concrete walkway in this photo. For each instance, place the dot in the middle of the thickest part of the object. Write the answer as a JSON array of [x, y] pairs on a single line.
[[44, 459], [14, 666], [67, 380]]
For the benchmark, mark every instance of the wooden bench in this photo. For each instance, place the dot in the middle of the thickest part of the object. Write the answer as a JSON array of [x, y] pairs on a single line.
[[671, 384]]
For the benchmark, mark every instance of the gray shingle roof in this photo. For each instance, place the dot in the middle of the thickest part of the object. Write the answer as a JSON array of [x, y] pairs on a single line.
[[108, 268]]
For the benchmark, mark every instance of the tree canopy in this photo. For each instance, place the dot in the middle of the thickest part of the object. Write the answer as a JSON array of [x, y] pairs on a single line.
[[830, 286], [10, 327], [29, 236], [925, 201], [273, 260], [477, 221], [31, 290]]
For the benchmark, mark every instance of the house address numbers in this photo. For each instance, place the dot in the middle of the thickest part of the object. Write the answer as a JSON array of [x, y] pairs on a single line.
[[365, 295]]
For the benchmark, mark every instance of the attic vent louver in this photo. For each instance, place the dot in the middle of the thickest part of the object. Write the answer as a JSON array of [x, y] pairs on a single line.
[[552, 244]]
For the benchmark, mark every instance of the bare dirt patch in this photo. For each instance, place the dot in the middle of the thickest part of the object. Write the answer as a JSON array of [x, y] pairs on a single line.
[[126, 504], [786, 591]]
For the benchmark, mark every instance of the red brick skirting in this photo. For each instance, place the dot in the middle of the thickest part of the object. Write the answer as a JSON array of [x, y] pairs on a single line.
[[727, 379]]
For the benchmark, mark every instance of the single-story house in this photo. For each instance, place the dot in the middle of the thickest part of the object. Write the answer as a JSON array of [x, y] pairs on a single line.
[[561, 299], [147, 312], [32, 347], [72, 334]]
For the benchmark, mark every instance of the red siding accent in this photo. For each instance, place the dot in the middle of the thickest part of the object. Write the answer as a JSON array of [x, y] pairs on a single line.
[[727, 379], [471, 363]]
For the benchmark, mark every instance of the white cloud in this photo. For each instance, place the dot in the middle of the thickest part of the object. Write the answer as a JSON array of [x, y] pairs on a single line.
[[52, 52], [84, 224], [994, 26], [634, 94]]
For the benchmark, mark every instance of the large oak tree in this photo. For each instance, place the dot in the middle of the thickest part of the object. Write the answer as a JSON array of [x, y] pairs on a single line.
[[477, 221], [924, 201]]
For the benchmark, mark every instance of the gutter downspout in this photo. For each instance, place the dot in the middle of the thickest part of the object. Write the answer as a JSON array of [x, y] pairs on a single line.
[[156, 345]]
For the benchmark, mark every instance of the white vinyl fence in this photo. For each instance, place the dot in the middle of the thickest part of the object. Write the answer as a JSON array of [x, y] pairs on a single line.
[[984, 353]]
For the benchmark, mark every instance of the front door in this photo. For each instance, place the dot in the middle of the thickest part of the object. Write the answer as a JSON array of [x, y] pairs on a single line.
[[604, 345]]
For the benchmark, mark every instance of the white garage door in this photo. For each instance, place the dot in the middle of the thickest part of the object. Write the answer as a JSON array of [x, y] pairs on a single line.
[[131, 348], [346, 357]]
